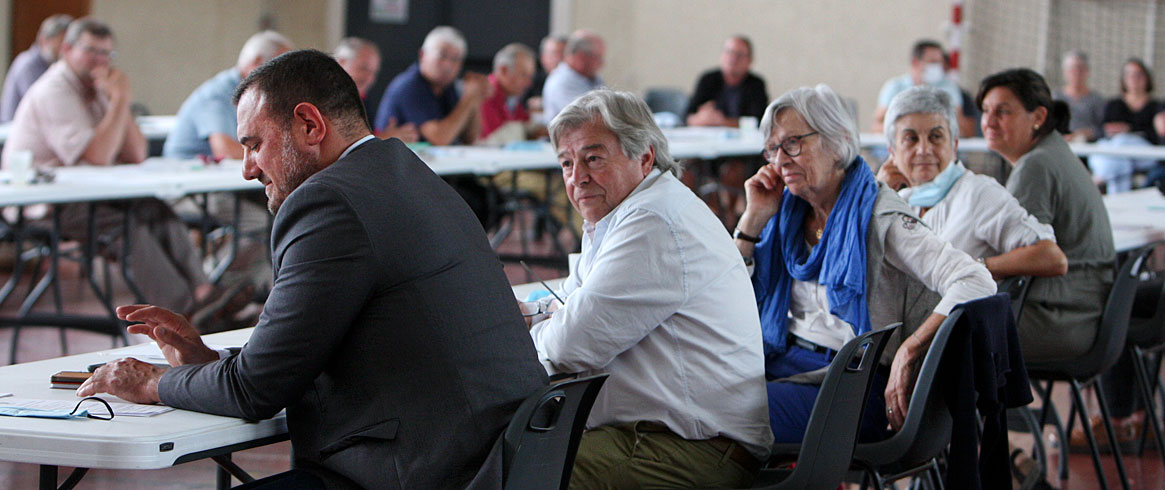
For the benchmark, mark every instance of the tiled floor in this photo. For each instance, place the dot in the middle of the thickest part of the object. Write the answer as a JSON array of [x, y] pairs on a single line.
[[1146, 472]]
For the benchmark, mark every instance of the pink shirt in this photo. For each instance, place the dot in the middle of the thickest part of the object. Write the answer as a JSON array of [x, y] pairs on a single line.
[[494, 112], [56, 119]]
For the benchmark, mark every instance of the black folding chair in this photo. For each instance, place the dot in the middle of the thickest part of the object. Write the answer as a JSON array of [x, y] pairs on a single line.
[[925, 433], [832, 432], [1086, 369], [542, 439]]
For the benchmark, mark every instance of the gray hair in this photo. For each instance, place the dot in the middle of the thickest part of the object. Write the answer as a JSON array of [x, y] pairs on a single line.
[[582, 41], [825, 113], [626, 115], [920, 99], [443, 35], [80, 26], [350, 47], [262, 46], [53, 25], [1074, 54], [551, 39], [508, 55]]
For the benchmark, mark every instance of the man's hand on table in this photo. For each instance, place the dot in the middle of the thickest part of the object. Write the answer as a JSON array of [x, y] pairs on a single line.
[[136, 381], [129, 379]]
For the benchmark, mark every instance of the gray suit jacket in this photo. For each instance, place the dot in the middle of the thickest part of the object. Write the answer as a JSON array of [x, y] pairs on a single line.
[[391, 334]]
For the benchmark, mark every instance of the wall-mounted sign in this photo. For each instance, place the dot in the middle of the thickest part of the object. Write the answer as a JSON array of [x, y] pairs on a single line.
[[389, 11]]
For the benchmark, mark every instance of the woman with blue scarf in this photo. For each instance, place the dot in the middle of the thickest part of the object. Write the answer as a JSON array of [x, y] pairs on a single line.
[[834, 255], [973, 212]]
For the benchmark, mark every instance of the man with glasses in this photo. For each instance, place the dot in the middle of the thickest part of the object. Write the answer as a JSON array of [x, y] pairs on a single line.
[[78, 113], [725, 95]]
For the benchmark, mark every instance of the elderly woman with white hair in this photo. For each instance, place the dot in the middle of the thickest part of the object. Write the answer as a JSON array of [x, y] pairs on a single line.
[[973, 212], [836, 254]]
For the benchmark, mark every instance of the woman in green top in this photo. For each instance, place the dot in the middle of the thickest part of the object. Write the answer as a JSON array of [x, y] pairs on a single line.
[[1022, 123]]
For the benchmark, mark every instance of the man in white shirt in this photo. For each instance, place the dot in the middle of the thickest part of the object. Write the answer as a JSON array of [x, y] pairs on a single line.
[[577, 74], [662, 302]]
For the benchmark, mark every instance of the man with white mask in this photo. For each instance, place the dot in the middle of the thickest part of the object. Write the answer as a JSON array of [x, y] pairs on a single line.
[[927, 67]]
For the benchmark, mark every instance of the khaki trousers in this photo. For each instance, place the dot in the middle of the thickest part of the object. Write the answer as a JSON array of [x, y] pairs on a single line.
[[643, 455]]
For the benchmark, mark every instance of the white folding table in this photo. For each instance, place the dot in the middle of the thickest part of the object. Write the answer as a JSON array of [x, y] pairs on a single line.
[[137, 443]]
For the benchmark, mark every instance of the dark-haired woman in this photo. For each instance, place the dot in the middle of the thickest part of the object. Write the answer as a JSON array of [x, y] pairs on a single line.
[[1062, 314], [1133, 111], [1128, 122], [1022, 123]]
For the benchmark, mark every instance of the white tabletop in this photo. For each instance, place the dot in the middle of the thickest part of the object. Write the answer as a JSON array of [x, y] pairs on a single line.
[[878, 140], [1137, 217], [153, 127], [121, 443]]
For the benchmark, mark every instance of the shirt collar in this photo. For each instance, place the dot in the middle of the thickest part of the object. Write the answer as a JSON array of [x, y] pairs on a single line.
[[354, 145]]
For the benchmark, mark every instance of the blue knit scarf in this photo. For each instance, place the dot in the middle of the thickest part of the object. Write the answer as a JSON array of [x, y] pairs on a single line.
[[838, 261]]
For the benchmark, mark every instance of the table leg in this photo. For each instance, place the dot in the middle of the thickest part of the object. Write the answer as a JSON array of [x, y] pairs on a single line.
[[48, 477]]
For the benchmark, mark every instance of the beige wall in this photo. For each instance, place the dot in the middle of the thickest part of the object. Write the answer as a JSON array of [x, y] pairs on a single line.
[[852, 46], [168, 48]]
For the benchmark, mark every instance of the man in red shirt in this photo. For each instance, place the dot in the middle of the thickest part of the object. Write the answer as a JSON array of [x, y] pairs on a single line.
[[512, 75]]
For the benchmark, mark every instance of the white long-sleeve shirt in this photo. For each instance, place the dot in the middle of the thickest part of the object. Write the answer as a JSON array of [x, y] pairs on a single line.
[[662, 302], [980, 217]]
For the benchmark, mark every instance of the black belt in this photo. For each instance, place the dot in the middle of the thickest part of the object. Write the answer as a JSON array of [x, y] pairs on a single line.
[[809, 346]]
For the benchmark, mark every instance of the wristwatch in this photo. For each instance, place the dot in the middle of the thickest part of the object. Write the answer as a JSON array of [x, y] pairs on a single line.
[[740, 235]]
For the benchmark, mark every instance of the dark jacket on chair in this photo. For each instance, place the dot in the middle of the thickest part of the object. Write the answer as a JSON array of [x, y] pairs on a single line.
[[982, 362]]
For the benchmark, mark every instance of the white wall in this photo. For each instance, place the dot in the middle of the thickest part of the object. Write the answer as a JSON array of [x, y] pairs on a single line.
[[852, 46]]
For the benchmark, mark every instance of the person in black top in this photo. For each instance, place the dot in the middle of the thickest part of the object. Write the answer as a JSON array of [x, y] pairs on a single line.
[[726, 94], [1134, 110]]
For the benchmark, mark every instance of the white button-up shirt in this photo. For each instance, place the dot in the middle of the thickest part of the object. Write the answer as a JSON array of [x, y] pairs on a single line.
[[662, 302], [980, 217]]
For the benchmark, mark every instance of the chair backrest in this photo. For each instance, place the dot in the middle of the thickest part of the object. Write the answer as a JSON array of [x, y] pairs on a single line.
[[663, 99], [542, 439], [1017, 287], [1114, 322], [1147, 325], [833, 426], [927, 428]]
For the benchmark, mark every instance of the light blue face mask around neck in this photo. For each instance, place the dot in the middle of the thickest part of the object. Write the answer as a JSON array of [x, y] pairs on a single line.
[[930, 193]]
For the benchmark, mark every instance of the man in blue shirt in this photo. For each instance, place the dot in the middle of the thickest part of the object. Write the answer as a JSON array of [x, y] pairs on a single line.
[[576, 75], [206, 122], [28, 66], [425, 94]]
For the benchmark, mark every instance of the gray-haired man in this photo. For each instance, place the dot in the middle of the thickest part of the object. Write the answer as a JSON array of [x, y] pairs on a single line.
[[662, 301], [29, 65]]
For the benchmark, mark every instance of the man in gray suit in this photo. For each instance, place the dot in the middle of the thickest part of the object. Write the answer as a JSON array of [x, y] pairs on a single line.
[[391, 334]]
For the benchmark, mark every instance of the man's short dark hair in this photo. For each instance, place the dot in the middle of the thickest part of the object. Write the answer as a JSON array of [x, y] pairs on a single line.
[[307, 76], [921, 46]]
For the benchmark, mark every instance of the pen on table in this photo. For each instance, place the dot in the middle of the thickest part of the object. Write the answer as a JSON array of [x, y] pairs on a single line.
[[547, 286]]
